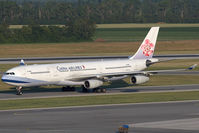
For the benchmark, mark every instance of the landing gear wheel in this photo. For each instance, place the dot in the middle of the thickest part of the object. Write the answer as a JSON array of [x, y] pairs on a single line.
[[19, 92], [98, 90], [103, 90]]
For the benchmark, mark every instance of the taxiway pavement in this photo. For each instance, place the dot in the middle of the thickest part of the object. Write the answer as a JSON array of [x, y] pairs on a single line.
[[165, 117]]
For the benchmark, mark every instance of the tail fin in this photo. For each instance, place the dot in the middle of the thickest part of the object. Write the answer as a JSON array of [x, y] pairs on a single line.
[[147, 47]]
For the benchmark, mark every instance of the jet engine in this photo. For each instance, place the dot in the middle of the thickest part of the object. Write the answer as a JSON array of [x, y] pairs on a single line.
[[92, 83], [139, 79]]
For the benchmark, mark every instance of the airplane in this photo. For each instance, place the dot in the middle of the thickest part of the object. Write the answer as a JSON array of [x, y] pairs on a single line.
[[91, 75]]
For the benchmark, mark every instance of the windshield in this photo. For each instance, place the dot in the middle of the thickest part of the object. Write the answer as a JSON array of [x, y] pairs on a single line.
[[9, 73]]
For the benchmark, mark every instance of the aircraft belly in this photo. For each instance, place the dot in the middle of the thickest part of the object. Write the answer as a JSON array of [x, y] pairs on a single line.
[[68, 83]]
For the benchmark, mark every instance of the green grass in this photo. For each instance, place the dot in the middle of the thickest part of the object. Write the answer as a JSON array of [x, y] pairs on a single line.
[[98, 100], [138, 34], [5, 67]]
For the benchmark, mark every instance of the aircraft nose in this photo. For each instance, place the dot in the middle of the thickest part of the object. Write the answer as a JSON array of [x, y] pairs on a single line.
[[3, 78]]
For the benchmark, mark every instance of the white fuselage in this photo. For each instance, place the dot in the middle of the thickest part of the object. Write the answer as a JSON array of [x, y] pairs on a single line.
[[68, 73]]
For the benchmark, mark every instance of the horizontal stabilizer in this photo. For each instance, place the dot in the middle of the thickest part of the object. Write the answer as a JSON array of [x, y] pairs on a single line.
[[192, 67]]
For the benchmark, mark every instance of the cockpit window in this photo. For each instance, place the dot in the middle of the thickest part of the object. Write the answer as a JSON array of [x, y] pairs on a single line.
[[10, 73]]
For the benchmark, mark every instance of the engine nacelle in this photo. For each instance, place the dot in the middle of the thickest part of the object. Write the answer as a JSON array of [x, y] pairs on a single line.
[[139, 79], [93, 83]]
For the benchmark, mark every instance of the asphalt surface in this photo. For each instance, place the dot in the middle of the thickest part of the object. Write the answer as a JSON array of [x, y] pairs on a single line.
[[86, 58], [49, 93], [174, 117]]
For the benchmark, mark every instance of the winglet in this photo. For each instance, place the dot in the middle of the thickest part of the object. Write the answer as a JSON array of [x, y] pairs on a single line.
[[22, 62], [192, 67], [147, 47]]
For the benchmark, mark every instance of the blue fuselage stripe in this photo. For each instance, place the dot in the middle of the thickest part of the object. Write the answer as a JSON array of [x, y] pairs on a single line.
[[13, 81]]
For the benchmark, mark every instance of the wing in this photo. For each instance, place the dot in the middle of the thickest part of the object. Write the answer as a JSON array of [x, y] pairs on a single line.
[[106, 76]]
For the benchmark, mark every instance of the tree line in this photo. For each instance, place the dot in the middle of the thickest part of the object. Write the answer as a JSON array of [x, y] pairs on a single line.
[[99, 11], [78, 30]]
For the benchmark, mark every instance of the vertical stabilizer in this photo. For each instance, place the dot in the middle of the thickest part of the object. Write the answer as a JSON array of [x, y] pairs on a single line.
[[147, 47]]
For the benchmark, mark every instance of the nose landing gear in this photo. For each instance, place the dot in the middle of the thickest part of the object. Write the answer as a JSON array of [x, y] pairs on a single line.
[[19, 92]]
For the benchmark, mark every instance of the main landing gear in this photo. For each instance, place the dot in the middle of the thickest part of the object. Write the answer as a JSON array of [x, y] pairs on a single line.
[[97, 90], [68, 88], [19, 92]]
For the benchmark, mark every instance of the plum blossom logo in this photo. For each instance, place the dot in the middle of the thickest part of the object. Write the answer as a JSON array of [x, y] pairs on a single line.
[[147, 47]]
